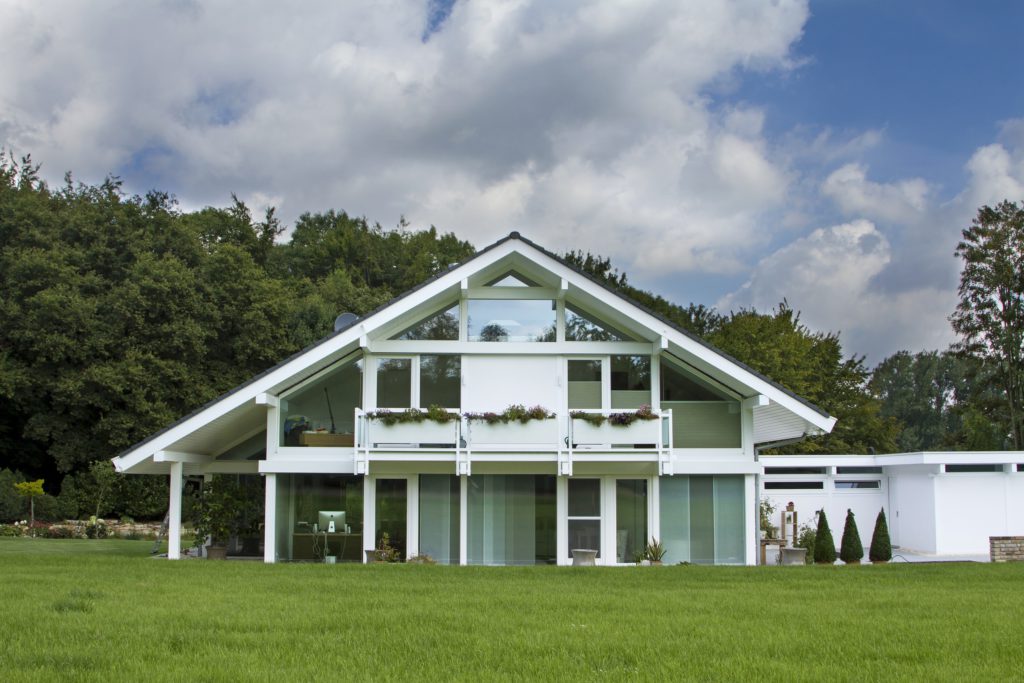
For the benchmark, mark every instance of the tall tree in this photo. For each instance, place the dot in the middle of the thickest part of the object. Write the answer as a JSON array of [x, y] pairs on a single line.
[[990, 315]]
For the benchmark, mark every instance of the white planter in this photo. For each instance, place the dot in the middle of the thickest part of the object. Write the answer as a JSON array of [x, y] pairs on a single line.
[[640, 432], [512, 434], [412, 433]]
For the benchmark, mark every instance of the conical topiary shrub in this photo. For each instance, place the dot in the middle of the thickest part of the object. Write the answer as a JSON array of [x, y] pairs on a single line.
[[881, 547], [850, 549], [824, 546]]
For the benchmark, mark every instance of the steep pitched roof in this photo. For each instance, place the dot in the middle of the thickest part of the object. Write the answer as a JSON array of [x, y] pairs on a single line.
[[824, 421]]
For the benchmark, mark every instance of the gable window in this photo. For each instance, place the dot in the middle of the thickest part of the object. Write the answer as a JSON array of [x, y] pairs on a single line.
[[394, 383], [321, 410], [580, 326], [443, 325], [511, 320], [631, 381]]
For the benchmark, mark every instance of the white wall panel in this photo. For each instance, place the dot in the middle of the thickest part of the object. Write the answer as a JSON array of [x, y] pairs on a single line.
[[492, 383]]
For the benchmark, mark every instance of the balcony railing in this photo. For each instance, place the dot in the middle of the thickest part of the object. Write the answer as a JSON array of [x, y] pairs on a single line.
[[561, 435]]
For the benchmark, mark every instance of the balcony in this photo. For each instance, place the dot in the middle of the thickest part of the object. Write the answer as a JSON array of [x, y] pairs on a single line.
[[562, 437]]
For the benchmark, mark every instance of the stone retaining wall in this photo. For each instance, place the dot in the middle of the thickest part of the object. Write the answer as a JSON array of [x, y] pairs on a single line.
[[1006, 548]]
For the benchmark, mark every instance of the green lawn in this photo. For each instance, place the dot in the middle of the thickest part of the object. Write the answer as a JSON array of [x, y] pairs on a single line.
[[104, 610]]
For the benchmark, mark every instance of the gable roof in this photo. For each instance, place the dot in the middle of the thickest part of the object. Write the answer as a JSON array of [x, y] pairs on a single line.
[[337, 342]]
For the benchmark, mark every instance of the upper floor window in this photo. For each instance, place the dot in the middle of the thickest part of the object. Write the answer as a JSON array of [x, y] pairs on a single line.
[[631, 381], [580, 326], [511, 320], [443, 325]]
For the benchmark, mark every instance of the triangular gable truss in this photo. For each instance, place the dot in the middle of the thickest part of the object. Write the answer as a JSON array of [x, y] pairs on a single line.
[[510, 254]]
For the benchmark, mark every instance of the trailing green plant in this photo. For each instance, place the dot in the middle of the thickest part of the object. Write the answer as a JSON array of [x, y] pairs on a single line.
[[385, 551], [765, 510], [654, 551], [434, 413], [514, 413], [620, 419], [881, 546], [850, 548], [824, 546]]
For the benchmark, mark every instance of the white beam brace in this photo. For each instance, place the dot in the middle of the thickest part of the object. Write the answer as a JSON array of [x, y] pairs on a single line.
[[268, 400], [174, 513], [177, 456], [759, 401]]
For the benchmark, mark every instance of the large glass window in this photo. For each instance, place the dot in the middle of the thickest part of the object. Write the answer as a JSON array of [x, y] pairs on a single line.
[[394, 383], [631, 381], [322, 412], [630, 518], [581, 326], [703, 416], [584, 384], [391, 513], [585, 515], [702, 519], [443, 325], [440, 381], [300, 500], [439, 517], [505, 320], [511, 519]]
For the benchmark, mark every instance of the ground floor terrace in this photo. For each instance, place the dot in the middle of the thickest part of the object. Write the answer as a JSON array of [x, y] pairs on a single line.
[[506, 515]]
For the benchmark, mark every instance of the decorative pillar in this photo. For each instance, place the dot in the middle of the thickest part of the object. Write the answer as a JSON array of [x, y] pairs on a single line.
[[174, 512], [270, 518]]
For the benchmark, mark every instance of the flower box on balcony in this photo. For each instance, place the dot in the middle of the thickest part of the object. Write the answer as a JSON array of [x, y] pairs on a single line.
[[412, 434], [640, 432], [513, 434]]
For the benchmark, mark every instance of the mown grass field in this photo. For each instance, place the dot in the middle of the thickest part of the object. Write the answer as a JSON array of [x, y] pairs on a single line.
[[104, 610]]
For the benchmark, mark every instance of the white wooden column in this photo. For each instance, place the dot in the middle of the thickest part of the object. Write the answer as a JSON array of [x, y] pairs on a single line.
[[174, 512], [412, 516], [463, 519], [751, 508], [270, 518], [369, 514], [562, 520]]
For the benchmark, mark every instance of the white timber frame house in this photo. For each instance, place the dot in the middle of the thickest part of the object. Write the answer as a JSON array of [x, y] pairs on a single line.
[[652, 432]]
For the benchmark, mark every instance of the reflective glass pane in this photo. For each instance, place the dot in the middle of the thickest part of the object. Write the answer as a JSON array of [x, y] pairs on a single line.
[[300, 500], [511, 519], [674, 494], [702, 520], [394, 383], [584, 534], [729, 531], [580, 326], [391, 512], [501, 320], [439, 517], [631, 381], [443, 325], [440, 381], [630, 518], [322, 413], [584, 497], [584, 384]]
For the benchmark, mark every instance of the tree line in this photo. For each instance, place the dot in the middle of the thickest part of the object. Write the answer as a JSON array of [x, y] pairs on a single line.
[[123, 313]]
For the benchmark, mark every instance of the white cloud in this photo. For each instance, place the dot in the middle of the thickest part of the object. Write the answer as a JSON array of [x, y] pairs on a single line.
[[828, 276], [557, 119], [902, 201]]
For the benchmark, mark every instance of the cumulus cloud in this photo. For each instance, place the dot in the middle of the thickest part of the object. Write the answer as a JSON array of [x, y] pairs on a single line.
[[902, 201], [563, 120], [828, 275]]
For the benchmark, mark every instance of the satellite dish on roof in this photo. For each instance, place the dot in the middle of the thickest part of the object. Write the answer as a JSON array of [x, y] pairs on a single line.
[[344, 320]]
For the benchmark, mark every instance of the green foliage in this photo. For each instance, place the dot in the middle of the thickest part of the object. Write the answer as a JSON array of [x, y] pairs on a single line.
[[850, 549], [29, 489], [514, 413], [990, 315], [805, 539], [824, 546], [618, 419], [385, 551], [225, 507], [434, 413], [654, 551], [881, 546], [765, 510]]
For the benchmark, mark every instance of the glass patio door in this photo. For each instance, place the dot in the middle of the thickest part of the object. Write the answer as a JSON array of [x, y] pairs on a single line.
[[585, 515], [630, 519], [391, 513]]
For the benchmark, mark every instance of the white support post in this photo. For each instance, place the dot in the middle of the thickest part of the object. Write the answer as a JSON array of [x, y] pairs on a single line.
[[751, 527], [369, 514], [270, 518], [562, 520], [412, 516], [463, 519], [174, 525]]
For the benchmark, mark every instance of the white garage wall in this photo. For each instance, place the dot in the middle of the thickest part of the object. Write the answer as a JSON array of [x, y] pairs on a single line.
[[912, 522], [970, 507], [865, 504]]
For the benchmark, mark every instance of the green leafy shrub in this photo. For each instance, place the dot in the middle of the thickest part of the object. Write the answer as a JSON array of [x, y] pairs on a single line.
[[824, 546], [56, 531], [96, 528], [850, 548], [654, 551], [385, 551], [765, 510], [805, 539], [881, 546], [11, 530]]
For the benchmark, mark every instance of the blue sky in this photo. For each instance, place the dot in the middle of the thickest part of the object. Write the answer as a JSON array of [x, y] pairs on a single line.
[[732, 153]]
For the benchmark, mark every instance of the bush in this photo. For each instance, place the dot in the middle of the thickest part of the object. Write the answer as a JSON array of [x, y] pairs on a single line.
[[59, 532], [13, 507], [805, 539], [881, 546], [11, 530], [96, 528], [850, 548], [824, 546]]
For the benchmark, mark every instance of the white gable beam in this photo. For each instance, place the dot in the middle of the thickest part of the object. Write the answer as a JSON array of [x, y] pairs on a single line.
[[176, 456], [758, 401]]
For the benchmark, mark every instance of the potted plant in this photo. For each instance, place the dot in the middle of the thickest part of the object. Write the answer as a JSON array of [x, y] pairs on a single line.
[[654, 552], [412, 426], [640, 426], [850, 548]]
